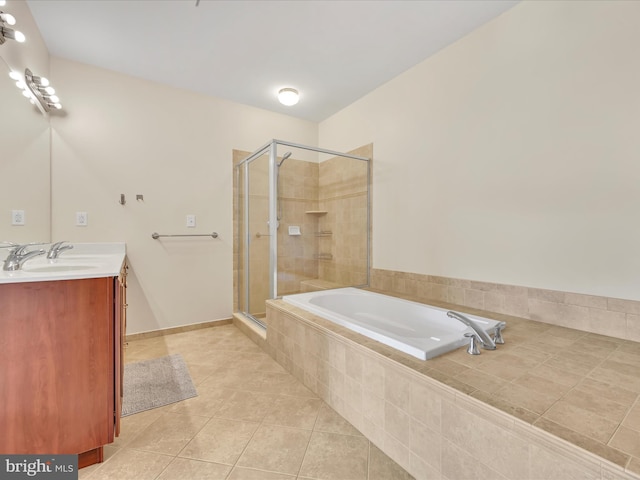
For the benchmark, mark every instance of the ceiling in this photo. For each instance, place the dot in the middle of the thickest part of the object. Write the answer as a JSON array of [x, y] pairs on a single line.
[[333, 52]]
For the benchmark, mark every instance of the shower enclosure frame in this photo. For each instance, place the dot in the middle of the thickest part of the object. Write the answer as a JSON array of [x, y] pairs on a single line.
[[243, 203]]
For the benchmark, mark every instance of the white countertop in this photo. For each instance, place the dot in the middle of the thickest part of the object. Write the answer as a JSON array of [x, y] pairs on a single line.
[[84, 260]]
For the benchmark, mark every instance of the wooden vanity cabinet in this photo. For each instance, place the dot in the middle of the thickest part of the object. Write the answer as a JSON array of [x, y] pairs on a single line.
[[61, 366]]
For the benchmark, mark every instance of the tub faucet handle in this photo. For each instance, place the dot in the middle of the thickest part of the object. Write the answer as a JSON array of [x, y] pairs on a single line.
[[473, 343], [497, 336]]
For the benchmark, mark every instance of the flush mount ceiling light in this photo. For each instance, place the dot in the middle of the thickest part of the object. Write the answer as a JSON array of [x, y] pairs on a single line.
[[288, 96], [5, 31]]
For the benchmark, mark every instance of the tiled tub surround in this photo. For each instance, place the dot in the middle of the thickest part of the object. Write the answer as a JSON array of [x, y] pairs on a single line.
[[612, 317], [551, 403]]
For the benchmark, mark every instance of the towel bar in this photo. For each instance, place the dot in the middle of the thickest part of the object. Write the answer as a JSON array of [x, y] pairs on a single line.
[[156, 235]]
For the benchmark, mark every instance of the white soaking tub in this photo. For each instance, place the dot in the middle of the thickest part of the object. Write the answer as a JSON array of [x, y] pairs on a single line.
[[420, 330]]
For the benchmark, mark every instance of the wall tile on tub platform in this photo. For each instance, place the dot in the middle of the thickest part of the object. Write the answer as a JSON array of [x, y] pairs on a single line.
[[606, 322], [626, 306], [354, 364], [558, 313], [458, 464], [590, 301], [425, 406], [373, 376], [397, 451], [426, 444], [373, 407], [548, 464], [484, 439], [397, 387], [397, 423]]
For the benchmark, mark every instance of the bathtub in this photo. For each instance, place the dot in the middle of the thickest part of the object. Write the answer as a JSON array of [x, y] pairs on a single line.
[[420, 330]]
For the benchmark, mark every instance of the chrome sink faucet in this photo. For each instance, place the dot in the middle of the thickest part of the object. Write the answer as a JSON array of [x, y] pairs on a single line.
[[18, 255], [486, 341], [57, 248]]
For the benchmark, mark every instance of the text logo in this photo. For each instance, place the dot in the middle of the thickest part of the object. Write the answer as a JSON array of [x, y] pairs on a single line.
[[39, 467]]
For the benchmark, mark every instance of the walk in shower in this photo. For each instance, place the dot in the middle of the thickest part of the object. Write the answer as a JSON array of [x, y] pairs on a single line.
[[302, 221]]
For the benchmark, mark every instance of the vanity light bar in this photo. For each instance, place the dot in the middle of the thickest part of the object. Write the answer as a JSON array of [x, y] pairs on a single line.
[[37, 90]]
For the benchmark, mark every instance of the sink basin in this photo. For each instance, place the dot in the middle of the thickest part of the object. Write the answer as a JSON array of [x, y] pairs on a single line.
[[57, 268]]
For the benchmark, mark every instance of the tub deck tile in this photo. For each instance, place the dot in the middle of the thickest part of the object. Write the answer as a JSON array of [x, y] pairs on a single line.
[[580, 387]]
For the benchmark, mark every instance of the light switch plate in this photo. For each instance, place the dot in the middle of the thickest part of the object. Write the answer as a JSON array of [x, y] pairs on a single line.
[[191, 221]]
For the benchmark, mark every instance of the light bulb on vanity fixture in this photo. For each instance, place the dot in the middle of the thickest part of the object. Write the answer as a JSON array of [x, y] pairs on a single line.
[[6, 32], [38, 90], [288, 96]]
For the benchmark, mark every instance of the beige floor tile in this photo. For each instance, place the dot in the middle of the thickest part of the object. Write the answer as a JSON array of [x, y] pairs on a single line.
[[186, 469], [278, 383], [221, 441], [132, 425], [381, 467], [199, 373], [288, 411], [169, 434], [240, 473], [206, 404], [330, 421], [245, 406], [276, 449], [332, 456], [128, 464]]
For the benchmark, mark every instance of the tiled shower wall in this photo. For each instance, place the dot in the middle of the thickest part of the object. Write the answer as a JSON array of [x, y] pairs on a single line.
[[298, 195], [343, 194], [332, 247], [603, 315]]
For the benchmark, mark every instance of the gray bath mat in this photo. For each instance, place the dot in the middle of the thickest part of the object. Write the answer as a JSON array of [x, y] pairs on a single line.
[[155, 383]]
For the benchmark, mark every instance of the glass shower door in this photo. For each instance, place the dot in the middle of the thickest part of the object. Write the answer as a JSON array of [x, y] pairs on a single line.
[[257, 231]]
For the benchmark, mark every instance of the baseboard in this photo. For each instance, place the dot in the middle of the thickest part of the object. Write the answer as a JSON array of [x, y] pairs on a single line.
[[181, 329]]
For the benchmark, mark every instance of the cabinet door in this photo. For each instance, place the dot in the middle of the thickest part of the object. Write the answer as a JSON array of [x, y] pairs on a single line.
[[56, 366]]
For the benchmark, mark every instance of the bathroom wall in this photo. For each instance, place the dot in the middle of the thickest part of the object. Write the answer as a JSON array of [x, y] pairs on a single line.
[[126, 135], [511, 156]]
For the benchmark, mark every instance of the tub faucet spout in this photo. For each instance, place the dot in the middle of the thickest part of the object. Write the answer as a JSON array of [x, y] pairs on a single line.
[[485, 340]]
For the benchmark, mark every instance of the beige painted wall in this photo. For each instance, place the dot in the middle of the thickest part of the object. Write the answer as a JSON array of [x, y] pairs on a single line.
[[131, 136], [512, 155]]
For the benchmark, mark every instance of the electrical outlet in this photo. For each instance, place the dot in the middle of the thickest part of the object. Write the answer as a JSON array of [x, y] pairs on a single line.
[[191, 221], [82, 219], [17, 217]]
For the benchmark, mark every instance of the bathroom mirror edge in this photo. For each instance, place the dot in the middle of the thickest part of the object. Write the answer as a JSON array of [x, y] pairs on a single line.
[[25, 165]]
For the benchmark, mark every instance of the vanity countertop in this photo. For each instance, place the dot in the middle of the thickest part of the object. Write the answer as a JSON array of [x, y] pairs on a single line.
[[85, 260]]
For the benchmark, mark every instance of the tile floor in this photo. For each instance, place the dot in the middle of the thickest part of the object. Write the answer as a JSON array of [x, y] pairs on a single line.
[[251, 420]]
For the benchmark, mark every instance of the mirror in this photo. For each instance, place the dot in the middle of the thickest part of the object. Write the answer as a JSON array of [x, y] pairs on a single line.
[[24, 165]]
